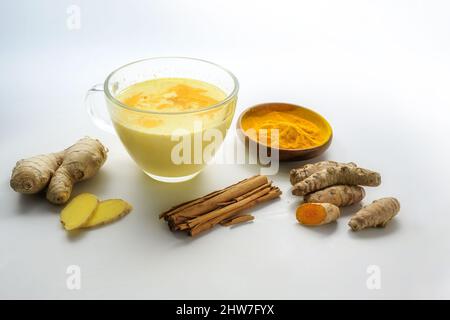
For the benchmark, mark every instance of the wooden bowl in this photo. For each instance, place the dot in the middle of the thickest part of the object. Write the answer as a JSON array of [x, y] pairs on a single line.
[[289, 154]]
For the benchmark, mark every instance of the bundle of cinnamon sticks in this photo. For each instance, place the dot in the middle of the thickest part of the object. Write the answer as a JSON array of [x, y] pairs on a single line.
[[221, 207]]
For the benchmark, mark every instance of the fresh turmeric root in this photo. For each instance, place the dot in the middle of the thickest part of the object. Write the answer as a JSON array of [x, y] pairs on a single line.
[[59, 171], [78, 211], [376, 214], [342, 174], [340, 195], [108, 211], [300, 174], [316, 214]]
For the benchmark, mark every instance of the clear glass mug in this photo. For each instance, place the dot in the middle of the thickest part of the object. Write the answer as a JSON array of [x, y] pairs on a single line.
[[153, 148]]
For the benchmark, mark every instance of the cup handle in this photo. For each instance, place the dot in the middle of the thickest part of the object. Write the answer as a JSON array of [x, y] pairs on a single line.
[[97, 109]]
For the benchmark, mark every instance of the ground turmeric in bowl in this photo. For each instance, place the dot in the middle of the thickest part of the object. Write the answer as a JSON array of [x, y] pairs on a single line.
[[298, 128]]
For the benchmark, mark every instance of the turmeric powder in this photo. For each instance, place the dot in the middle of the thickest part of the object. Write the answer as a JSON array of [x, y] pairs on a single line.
[[294, 130]]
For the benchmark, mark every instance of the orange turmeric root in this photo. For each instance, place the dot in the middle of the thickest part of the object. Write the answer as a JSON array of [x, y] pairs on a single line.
[[343, 174], [316, 214], [300, 174], [340, 195]]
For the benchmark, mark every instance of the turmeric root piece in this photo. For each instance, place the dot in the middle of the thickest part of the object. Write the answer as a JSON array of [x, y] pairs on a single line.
[[376, 214], [78, 211], [108, 211], [300, 174], [316, 214], [343, 174], [340, 195], [81, 161], [33, 174]]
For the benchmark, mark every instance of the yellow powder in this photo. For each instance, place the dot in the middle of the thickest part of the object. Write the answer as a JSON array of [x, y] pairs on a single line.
[[294, 131]]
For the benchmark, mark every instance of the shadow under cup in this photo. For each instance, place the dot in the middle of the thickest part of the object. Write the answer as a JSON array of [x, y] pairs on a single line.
[[176, 146]]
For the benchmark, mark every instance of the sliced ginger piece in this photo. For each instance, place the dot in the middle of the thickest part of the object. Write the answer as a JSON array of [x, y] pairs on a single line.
[[108, 211], [78, 211], [315, 214]]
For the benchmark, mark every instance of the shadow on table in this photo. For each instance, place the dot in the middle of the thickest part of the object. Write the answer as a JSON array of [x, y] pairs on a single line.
[[155, 197], [324, 230], [35, 203]]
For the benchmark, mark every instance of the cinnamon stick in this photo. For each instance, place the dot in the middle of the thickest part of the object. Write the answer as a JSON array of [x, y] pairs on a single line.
[[219, 206], [229, 208], [211, 201], [236, 220], [238, 207]]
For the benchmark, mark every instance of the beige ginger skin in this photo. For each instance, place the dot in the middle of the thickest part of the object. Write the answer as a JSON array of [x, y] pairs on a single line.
[[59, 171], [376, 214], [33, 174]]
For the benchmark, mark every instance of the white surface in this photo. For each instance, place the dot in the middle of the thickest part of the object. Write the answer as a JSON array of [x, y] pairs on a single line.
[[378, 70]]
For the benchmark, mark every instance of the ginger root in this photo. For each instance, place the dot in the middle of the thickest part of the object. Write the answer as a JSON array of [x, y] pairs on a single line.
[[85, 211], [108, 211], [78, 211], [33, 174], [340, 195], [316, 214], [81, 161], [376, 214], [300, 174], [59, 171], [342, 174]]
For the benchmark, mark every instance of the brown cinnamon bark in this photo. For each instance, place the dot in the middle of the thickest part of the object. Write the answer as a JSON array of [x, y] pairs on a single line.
[[275, 193], [211, 201], [236, 220], [205, 212]]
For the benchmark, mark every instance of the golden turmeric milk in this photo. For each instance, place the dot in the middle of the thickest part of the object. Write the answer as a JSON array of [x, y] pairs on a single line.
[[168, 105], [171, 95], [296, 128]]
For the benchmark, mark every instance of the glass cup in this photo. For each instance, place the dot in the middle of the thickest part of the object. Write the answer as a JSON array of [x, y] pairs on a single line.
[[165, 145]]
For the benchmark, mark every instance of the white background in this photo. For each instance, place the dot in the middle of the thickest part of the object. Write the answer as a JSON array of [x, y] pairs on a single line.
[[377, 70]]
